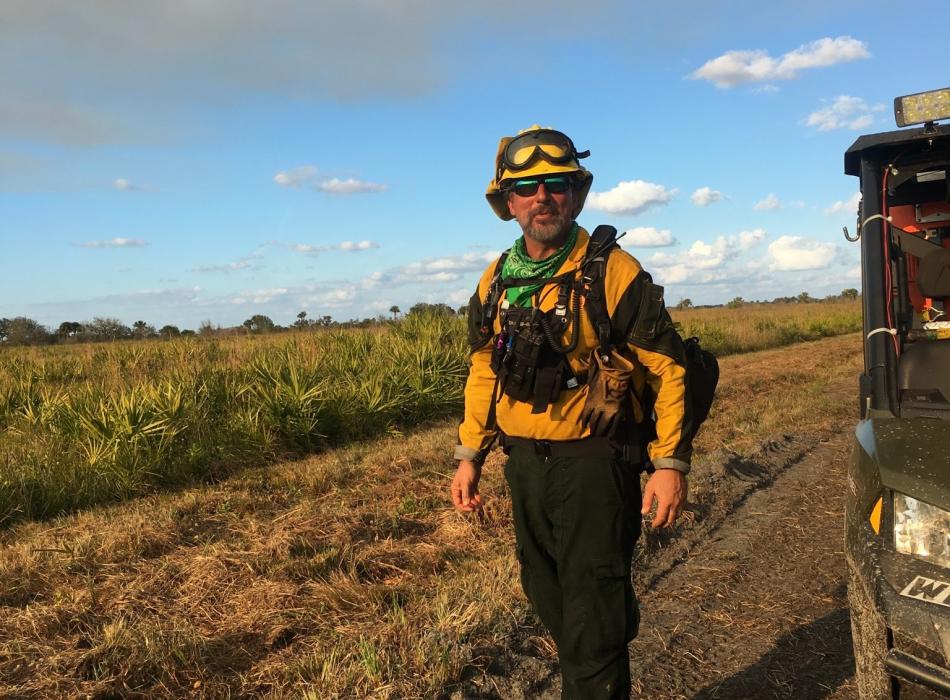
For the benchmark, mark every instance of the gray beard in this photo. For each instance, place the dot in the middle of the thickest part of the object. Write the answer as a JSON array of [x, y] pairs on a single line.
[[546, 233]]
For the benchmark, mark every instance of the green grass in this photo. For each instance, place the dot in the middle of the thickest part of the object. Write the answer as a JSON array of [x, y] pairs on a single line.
[[99, 423], [83, 425]]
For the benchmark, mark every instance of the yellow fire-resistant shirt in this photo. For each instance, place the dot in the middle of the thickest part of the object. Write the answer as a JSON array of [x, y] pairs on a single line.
[[652, 343]]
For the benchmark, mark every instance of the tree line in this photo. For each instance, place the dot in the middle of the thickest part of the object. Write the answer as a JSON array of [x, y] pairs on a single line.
[[27, 331], [803, 298]]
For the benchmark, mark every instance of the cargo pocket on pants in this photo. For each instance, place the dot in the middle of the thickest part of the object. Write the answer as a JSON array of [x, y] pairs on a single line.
[[613, 611]]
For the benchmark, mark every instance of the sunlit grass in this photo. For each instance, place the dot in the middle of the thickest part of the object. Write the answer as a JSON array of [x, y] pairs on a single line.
[[89, 424]]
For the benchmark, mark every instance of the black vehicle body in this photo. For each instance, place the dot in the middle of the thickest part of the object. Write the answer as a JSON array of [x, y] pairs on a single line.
[[901, 602]]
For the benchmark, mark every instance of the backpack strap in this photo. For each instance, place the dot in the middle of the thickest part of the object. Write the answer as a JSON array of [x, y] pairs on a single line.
[[495, 290], [602, 241]]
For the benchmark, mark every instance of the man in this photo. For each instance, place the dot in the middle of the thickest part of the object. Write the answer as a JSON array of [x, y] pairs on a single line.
[[566, 395]]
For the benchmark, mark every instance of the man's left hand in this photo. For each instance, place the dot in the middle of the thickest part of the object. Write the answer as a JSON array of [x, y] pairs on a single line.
[[668, 487]]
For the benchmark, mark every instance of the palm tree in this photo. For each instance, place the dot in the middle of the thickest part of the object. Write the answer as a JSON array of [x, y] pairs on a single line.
[[394, 310]]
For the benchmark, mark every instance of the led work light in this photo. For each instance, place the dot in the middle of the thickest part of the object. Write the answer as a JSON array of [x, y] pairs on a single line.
[[922, 107]]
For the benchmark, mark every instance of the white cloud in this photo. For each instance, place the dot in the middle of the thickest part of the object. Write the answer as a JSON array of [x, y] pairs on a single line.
[[769, 203], [736, 67], [647, 237], [800, 253], [296, 177], [845, 112], [306, 176], [705, 196], [706, 263], [749, 239], [439, 270], [630, 197], [116, 243], [120, 183], [358, 245], [263, 296], [310, 249], [848, 207], [349, 186]]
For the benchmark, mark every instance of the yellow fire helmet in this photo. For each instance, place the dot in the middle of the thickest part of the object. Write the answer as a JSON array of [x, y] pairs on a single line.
[[536, 151]]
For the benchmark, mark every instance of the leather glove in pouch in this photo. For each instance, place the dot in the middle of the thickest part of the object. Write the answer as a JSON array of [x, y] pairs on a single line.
[[607, 387]]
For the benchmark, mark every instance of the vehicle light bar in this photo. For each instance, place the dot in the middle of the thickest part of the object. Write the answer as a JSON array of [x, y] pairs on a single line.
[[922, 107]]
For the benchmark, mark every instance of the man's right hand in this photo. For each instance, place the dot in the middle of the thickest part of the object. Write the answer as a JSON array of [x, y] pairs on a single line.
[[465, 494]]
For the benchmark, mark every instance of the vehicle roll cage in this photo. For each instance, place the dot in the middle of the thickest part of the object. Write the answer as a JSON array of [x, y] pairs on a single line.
[[886, 163]]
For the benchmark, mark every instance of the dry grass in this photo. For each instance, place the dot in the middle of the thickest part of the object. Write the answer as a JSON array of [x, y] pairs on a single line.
[[755, 326], [337, 576]]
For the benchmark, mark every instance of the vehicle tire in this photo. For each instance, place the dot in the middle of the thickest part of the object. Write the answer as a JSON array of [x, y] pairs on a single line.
[[869, 634]]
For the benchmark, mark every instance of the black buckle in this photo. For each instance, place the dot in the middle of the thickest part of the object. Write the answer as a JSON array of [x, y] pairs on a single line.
[[542, 448]]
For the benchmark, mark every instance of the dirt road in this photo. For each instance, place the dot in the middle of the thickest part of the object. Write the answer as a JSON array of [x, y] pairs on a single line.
[[758, 610]]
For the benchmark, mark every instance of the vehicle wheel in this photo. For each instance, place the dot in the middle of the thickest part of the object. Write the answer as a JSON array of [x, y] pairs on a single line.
[[869, 634]]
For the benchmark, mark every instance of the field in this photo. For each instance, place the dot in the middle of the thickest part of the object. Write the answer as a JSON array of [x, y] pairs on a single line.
[[347, 574], [341, 574], [90, 424]]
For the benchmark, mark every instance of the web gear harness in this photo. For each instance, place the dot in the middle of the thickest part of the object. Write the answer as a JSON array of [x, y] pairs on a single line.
[[529, 358]]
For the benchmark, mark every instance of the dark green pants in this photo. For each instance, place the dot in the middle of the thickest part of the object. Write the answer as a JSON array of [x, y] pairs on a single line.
[[577, 520]]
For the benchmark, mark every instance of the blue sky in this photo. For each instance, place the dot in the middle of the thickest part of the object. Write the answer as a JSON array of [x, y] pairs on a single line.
[[186, 161]]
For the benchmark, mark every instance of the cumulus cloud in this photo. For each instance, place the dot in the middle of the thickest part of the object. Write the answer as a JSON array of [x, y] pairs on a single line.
[[348, 246], [769, 203], [296, 177], [749, 239], [647, 237], [445, 269], [754, 66], [800, 253], [705, 196], [844, 112], [704, 262], [630, 197], [848, 207], [116, 243], [306, 176]]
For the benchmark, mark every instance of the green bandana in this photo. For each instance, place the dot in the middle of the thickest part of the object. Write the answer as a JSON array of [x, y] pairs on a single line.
[[520, 266]]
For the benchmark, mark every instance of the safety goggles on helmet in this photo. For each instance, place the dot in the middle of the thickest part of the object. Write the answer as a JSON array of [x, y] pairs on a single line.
[[547, 144], [552, 185]]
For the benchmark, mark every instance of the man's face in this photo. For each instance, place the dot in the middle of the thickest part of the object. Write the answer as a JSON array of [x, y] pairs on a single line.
[[543, 216]]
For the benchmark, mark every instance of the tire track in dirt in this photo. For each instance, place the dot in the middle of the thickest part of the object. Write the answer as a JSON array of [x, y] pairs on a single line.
[[758, 610]]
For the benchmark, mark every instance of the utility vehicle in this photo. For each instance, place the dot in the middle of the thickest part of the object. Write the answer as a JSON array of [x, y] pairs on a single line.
[[898, 488]]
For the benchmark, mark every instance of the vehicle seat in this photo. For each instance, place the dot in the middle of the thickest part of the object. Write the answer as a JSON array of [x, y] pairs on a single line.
[[933, 278], [925, 368]]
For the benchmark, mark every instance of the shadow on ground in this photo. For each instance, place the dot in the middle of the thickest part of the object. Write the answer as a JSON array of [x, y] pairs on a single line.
[[808, 663]]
